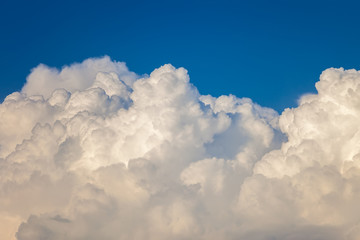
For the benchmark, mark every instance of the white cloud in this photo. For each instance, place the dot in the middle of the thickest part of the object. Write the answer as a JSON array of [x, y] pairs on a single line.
[[96, 152], [43, 80]]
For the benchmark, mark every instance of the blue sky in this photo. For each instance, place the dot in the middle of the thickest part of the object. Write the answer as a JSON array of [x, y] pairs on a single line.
[[270, 51]]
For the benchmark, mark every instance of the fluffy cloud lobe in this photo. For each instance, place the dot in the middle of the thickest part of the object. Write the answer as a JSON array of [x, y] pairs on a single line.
[[94, 151]]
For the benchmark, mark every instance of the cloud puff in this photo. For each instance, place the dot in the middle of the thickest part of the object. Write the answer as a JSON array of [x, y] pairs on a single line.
[[95, 151]]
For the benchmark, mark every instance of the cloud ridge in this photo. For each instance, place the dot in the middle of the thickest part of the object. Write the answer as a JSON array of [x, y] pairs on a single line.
[[95, 151]]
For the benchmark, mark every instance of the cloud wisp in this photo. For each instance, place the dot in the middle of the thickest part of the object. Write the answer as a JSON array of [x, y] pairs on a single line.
[[95, 151]]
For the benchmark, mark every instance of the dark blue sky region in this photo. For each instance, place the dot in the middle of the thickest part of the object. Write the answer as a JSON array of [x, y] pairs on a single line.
[[270, 51]]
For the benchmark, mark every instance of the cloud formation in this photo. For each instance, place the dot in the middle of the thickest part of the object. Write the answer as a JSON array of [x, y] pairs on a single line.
[[94, 151]]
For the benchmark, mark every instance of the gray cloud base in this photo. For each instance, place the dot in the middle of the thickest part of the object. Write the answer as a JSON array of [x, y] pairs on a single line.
[[94, 151]]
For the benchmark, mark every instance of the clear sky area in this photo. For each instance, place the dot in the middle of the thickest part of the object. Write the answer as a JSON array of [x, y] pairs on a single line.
[[269, 51]]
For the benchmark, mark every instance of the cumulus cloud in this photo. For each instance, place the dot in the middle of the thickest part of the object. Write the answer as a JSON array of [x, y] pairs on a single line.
[[94, 151]]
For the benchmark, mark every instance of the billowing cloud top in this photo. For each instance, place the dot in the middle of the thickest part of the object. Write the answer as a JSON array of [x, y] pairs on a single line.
[[94, 151]]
